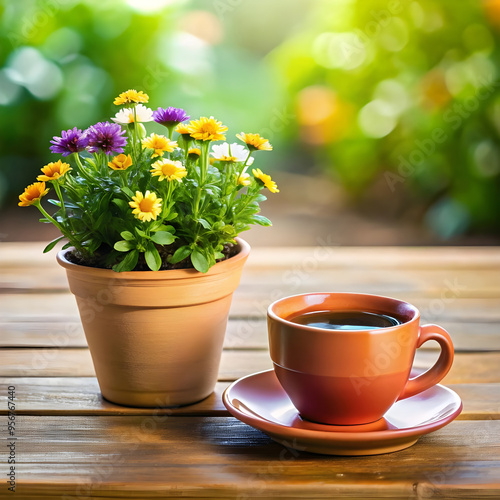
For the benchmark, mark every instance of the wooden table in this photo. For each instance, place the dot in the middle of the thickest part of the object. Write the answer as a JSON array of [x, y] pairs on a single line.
[[72, 444]]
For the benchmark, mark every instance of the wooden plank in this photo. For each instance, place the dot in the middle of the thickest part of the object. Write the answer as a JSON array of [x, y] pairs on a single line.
[[248, 333], [62, 307], [224, 458], [467, 368], [392, 257], [81, 396], [481, 401], [429, 283]]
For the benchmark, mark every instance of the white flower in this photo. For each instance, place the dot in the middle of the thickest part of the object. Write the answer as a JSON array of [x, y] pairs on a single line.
[[126, 115], [238, 152]]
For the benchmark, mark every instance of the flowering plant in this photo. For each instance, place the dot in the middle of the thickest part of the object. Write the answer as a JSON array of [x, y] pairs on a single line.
[[133, 201]]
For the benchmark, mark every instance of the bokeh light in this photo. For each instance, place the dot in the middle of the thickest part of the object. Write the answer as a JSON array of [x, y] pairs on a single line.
[[377, 118]]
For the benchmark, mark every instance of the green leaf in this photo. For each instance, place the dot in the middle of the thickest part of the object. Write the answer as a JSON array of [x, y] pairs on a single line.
[[122, 204], [91, 245], [260, 197], [124, 246], [163, 238], [153, 259], [140, 232], [228, 229], [103, 218], [165, 211], [205, 223], [261, 220], [163, 227], [219, 255], [104, 203], [171, 216], [67, 245], [128, 263], [128, 191], [57, 203], [200, 262], [90, 162], [52, 244], [127, 235], [180, 254]]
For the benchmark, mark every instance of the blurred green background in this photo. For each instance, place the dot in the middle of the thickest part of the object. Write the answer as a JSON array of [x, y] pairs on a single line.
[[384, 114]]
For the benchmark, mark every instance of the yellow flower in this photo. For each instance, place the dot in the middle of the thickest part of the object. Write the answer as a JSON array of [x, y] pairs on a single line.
[[182, 129], [146, 206], [32, 194], [266, 179], [131, 96], [207, 129], [255, 142], [168, 169], [120, 162], [159, 143], [194, 153], [53, 171], [244, 179]]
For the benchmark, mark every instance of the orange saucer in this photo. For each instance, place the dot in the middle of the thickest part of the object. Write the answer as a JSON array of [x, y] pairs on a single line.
[[260, 401]]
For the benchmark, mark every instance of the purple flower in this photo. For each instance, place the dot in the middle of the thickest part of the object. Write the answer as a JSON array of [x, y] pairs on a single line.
[[71, 141], [106, 137], [170, 116]]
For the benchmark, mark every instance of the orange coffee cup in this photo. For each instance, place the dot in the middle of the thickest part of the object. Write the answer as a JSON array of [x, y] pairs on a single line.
[[350, 377]]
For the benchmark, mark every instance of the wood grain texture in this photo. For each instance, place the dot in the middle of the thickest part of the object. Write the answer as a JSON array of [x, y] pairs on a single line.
[[81, 396], [143, 457], [467, 368]]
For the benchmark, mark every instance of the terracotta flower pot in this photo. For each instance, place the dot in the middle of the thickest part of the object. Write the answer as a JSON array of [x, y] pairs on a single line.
[[155, 337]]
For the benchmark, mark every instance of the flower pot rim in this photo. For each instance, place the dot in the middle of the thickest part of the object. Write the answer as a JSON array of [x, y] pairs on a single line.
[[218, 268]]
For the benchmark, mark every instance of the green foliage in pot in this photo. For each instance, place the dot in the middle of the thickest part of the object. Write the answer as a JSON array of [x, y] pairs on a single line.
[[134, 202]]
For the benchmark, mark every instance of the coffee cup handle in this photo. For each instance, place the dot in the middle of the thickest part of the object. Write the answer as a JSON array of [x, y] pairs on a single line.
[[442, 366]]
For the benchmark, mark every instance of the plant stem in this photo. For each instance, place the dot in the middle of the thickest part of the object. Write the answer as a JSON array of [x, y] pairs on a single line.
[[246, 161], [203, 174], [134, 151], [59, 195], [81, 168], [123, 177], [51, 219], [248, 199], [170, 190]]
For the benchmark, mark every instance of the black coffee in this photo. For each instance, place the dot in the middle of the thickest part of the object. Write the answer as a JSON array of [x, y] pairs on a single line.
[[346, 320]]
